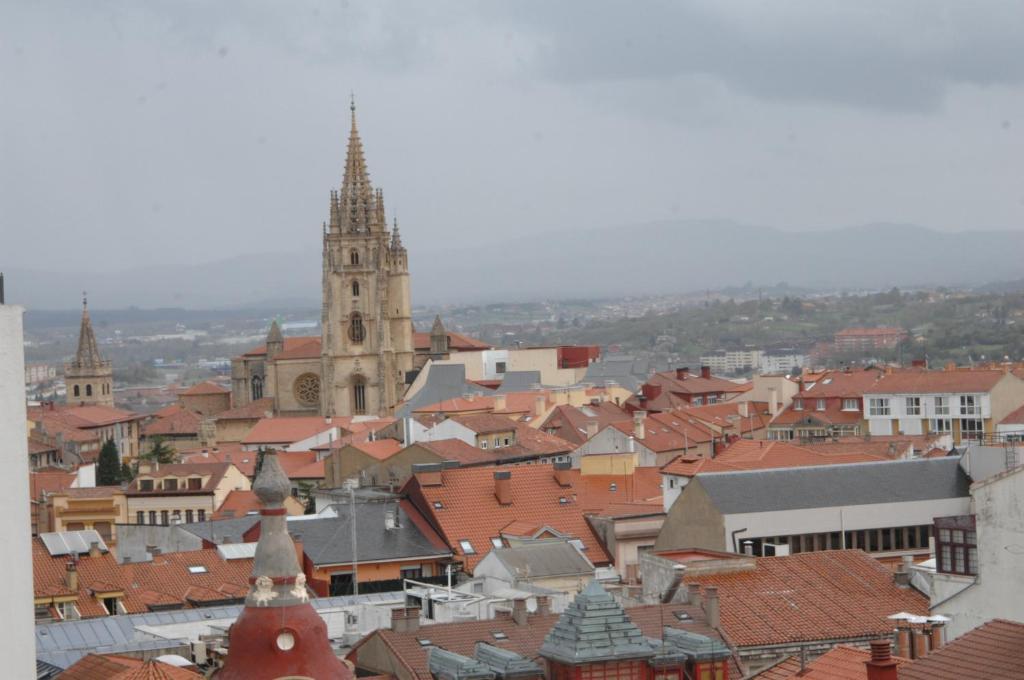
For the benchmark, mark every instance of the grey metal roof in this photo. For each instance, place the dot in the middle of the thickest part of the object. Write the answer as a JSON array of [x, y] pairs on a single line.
[[65, 642], [445, 665], [329, 540], [444, 381], [518, 381], [625, 370], [831, 485], [222, 530], [544, 559], [505, 663], [594, 627]]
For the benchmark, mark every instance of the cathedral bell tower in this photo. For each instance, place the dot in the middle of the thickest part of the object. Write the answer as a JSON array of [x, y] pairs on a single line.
[[367, 346], [89, 377]]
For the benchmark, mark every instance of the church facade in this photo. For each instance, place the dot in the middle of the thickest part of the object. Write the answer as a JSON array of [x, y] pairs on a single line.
[[360, 362]]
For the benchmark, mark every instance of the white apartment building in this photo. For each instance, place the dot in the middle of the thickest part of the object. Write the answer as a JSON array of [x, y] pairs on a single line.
[[732, 361], [782, 361]]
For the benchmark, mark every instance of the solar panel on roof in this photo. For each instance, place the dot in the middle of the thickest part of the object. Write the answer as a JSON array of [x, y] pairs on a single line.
[[71, 542]]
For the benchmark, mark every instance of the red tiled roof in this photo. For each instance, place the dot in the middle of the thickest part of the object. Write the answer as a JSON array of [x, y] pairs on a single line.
[[838, 384], [83, 416], [287, 431], [91, 491], [290, 344], [992, 650], [524, 640], [842, 662], [116, 667], [301, 464], [669, 431], [177, 422], [205, 388], [927, 382], [49, 481], [746, 454], [570, 422], [826, 595], [470, 511], [456, 341], [1014, 418], [456, 449], [381, 449], [486, 423], [695, 384], [834, 414], [254, 410], [232, 453]]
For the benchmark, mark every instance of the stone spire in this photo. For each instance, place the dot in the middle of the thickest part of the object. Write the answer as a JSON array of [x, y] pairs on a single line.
[[357, 202], [88, 355], [278, 634], [396, 238], [438, 337], [275, 340]]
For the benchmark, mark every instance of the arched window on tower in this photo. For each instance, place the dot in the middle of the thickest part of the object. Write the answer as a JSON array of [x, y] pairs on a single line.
[[78, 391], [354, 256], [88, 390], [257, 387], [356, 331], [358, 396], [355, 289]]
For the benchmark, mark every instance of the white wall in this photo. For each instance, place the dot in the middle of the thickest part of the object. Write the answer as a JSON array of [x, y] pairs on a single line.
[[449, 429], [17, 644]]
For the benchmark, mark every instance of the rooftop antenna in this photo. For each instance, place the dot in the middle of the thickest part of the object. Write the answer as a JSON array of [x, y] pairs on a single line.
[[1, 288]]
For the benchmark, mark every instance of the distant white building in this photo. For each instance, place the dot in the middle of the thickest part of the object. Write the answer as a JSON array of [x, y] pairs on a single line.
[[732, 361], [782, 361]]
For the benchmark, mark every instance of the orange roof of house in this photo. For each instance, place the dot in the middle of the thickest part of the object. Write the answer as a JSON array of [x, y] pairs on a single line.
[[1014, 418], [470, 511], [179, 421], [232, 453], [570, 422], [669, 431], [83, 416], [928, 382], [456, 341], [747, 454], [992, 650], [49, 481], [287, 430], [486, 423], [826, 595], [842, 662], [292, 344], [869, 332], [833, 414], [86, 492], [254, 410], [837, 384], [240, 503], [117, 667], [381, 449], [205, 388], [455, 449]]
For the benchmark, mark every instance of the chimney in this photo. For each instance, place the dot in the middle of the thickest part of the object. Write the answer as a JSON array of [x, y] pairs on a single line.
[[543, 605], [499, 402], [650, 391], [591, 429], [937, 628], [920, 639], [563, 473], [682, 373], [903, 640], [881, 666], [519, 613], [919, 363], [405, 619], [705, 372], [693, 594], [94, 549], [503, 487], [773, 402], [638, 424], [712, 607], [540, 404], [744, 410], [903, 574], [428, 474], [71, 576], [390, 519]]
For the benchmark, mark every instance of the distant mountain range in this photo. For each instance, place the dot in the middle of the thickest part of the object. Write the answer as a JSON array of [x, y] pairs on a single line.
[[656, 257]]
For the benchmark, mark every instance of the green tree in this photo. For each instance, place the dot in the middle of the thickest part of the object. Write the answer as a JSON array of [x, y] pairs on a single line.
[[127, 473], [108, 465], [307, 496], [160, 452]]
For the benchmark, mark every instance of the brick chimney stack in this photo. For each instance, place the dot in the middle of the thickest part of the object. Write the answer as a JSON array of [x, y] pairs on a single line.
[[503, 487], [903, 640], [937, 634], [682, 373], [519, 613], [563, 473], [712, 606], [881, 666], [705, 372], [405, 620], [920, 639], [71, 576]]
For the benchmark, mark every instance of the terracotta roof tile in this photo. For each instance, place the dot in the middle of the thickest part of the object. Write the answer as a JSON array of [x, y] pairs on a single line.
[[205, 388], [992, 650], [117, 667], [670, 431], [261, 408], [177, 422], [284, 431], [746, 454], [232, 453], [842, 662], [290, 344], [214, 472], [570, 422], [486, 423], [834, 594], [927, 382], [838, 384], [456, 341], [381, 449], [1014, 418]]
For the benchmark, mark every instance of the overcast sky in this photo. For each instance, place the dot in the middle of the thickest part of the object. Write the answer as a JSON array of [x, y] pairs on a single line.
[[187, 131]]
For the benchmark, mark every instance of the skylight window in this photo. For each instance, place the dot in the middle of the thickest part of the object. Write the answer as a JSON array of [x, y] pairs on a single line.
[[424, 642], [682, 616], [577, 543], [438, 505], [613, 487], [498, 635], [497, 543], [197, 569], [467, 547]]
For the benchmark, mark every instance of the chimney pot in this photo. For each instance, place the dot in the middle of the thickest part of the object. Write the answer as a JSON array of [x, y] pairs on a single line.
[[639, 431], [71, 576], [519, 613], [503, 487], [682, 373], [903, 640], [543, 605], [693, 594], [920, 644], [705, 372], [592, 426], [881, 666], [563, 473], [936, 635], [94, 549], [712, 607]]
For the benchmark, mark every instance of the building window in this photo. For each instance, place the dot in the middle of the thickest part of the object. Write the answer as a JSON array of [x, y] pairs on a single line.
[[152, 516], [971, 428], [356, 330], [170, 485], [969, 405], [354, 257], [467, 547], [201, 514], [164, 517], [878, 406], [78, 391], [145, 485], [415, 573], [359, 396], [483, 443], [940, 425], [913, 406], [189, 516], [257, 387], [698, 401], [820, 405], [956, 545], [195, 484], [88, 390], [499, 367], [307, 389], [355, 289], [850, 405], [941, 406], [140, 517], [798, 404]]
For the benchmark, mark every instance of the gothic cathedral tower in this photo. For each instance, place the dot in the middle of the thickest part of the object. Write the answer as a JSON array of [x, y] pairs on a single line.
[[89, 377], [367, 345]]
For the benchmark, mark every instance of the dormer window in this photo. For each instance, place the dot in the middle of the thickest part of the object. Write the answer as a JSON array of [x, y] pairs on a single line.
[[798, 404], [145, 485], [195, 483], [170, 484]]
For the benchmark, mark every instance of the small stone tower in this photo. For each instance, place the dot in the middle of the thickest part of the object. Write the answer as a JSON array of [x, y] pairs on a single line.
[[89, 377], [275, 341], [278, 634], [438, 339]]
